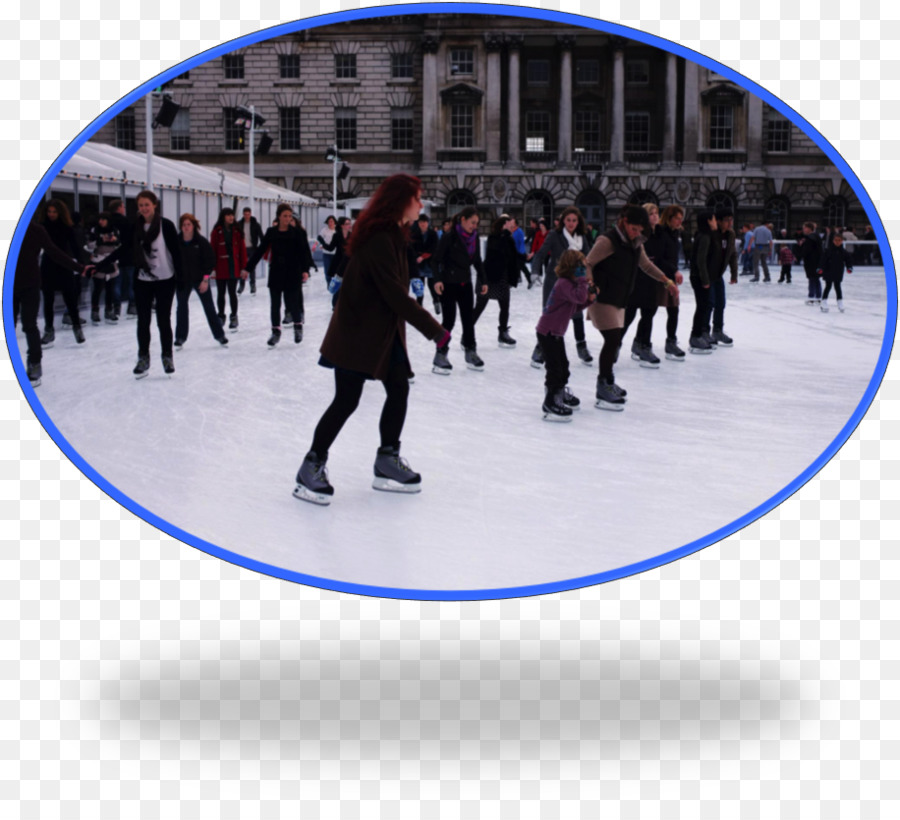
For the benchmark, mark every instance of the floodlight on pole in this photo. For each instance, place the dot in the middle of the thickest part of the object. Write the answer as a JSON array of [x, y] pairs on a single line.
[[333, 156]]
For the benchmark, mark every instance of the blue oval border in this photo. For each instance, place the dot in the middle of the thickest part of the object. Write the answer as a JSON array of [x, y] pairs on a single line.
[[454, 595]]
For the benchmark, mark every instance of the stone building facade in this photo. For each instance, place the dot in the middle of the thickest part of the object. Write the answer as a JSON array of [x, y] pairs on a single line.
[[506, 113]]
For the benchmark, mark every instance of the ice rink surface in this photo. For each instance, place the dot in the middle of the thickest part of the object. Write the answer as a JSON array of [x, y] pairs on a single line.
[[508, 500]]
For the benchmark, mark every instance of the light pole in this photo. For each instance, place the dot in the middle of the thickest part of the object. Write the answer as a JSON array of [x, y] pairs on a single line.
[[333, 156], [165, 117], [250, 119]]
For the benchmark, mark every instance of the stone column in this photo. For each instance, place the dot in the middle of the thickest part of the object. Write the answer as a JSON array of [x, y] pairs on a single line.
[[617, 143], [754, 130], [514, 43], [430, 100], [566, 43], [671, 104], [691, 111], [494, 44]]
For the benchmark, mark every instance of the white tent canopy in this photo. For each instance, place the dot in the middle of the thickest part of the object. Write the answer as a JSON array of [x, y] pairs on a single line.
[[103, 172]]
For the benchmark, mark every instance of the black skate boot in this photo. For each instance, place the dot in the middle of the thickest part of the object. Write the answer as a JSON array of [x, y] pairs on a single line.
[[437, 308], [168, 364], [275, 338], [48, 338], [95, 317], [555, 408], [233, 323], [288, 319], [312, 481], [298, 333], [570, 400], [504, 339], [723, 340], [393, 474], [179, 343], [537, 358], [222, 340], [111, 317], [79, 333], [441, 364], [241, 285], [710, 340], [142, 367], [700, 346], [66, 319], [473, 360], [608, 398], [222, 319], [646, 356], [131, 310], [583, 354], [34, 373], [673, 352]]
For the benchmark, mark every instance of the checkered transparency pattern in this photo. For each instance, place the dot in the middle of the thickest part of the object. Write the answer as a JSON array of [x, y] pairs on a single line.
[[142, 678]]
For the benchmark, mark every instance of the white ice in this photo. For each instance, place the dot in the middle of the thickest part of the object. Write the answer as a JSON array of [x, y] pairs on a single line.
[[508, 500]]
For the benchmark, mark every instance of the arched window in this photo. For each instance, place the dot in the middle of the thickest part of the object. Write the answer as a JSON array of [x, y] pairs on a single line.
[[538, 205], [643, 196], [778, 212], [459, 199], [722, 199], [592, 205], [835, 212]]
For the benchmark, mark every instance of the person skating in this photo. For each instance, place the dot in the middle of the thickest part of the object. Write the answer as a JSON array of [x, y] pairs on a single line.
[[424, 244], [366, 340], [810, 249], [252, 237], [290, 261], [501, 272], [724, 235], [569, 295], [612, 265], [102, 240], [199, 262], [458, 252], [571, 234], [706, 261], [227, 241], [55, 277], [835, 260], [666, 259]]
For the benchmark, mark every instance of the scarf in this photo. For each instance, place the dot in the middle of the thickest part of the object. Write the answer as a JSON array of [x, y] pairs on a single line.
[[143, 247], [576, 242], [469, 240]]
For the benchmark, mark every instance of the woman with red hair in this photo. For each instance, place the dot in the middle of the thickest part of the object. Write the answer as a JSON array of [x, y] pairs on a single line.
[[366, 338]]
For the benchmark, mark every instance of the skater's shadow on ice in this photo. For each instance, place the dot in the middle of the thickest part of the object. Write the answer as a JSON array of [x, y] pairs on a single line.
[[509, 697]]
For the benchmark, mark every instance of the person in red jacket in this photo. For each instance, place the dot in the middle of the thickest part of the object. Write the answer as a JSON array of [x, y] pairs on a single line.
[[227, 242]]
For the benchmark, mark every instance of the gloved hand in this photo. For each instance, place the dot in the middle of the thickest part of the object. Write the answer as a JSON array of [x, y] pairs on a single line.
[[580, 272], [334, 284], [418, 287]]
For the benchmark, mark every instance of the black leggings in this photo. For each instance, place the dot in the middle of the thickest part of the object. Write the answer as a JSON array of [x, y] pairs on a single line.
[[66, 283], [837, 289], [701, 310], [293, 303], [612, 341], [163, 291], [231, 286], [459, 294], [672, 322], [502, 291], [28, 301], [348, 387], [645, 324]]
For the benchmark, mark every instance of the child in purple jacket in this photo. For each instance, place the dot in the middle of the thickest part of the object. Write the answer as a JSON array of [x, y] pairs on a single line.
[[569, 294]]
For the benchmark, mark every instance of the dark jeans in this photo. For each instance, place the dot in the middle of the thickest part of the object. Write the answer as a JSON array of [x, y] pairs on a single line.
[[348, 387], [252, 279], [785, 273], [672, 322], [293, 303], [327, 259], [701, 311], [66, 284], [29, 301], [182, 313], [461, 295], [163, 291], [501, 289], [837, 289], [125, 285], [716, 304], [815, 285], [645, 325], [229, 285], [556, 363], [99, 286]]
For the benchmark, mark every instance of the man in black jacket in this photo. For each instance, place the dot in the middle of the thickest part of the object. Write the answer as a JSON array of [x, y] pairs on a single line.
[[810, 247], [252, 237], [123, 284]]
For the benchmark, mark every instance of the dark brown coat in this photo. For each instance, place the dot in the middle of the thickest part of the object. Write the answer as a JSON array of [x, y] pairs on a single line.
[[373, 308]]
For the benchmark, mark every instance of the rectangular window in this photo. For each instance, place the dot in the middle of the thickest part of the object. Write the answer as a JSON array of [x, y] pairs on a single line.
[[721, 127], [401, 129], [778, 139], [587, 130], [234, 132], [401, 66], [180, 131], [637, 131], [462, 126], [289, 129], [125, 130], [538, 72], [233, 65], [537, 131], [462, 61], [345, 128], [345, 66], [587, 72], [289, 66], [637, 72]]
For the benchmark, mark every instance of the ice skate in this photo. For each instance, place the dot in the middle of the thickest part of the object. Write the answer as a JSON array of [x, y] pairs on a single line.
[[537, 357], [810, 301], [142, 368], [298, 333], [233, 323], [823, 306], [555, 408], [699, 345], [48, 338], [168, 364], [583, 354], [179, 343], [223, 340], [570, 400], [34, 373], [646, 357], [673, 352], [393, 474], [312, 481], [504, 339], [79, 334], [840, 303], [473, 360], [608, 397], [275, 338], [111, 317], [67, 320], [95, 317], [710, 340], [723, 339], [441, 364]]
